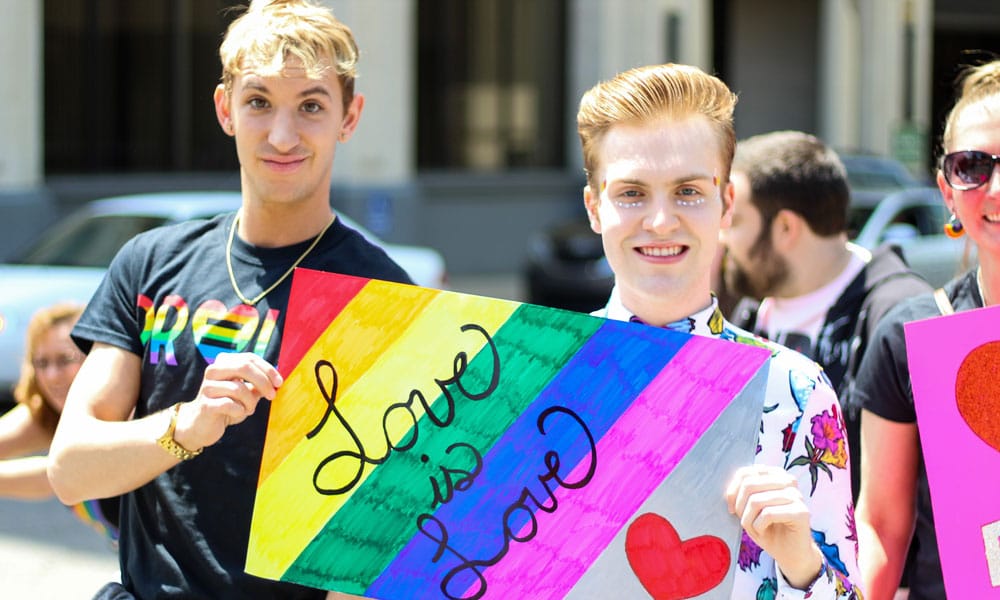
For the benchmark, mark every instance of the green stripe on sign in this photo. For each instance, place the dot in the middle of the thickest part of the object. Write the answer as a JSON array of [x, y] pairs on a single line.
[[364, 536]]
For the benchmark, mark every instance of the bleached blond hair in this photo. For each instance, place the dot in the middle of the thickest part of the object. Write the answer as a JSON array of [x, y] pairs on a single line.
[[272, 31], [648, 93]]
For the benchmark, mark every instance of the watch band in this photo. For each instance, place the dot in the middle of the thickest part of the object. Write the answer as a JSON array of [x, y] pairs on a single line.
[[167, 442]]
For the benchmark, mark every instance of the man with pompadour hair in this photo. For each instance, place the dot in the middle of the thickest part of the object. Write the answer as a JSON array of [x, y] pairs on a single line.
[[658, 142]]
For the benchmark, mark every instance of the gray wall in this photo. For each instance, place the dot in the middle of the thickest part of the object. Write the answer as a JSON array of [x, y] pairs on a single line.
[[480, 223], [772, 60]]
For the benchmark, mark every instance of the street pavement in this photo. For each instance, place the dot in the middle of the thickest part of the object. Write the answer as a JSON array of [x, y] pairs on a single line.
[[46, 553]]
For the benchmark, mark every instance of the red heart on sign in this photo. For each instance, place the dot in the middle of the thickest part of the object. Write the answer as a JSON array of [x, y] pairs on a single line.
[[977, 392], [670, 569]]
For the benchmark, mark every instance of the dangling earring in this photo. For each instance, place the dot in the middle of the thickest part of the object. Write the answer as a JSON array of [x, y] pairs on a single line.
[[953, 228]]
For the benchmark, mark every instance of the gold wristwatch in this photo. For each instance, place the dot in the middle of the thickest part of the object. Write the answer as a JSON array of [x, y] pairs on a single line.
[[168, 443]]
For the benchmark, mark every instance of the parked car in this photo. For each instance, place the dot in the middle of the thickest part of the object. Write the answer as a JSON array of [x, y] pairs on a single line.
[[566, 267], [913, 219], [69, 260], [876, 173]]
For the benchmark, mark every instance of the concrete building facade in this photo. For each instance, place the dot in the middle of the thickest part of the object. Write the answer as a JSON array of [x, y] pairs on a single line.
[[468, 139]]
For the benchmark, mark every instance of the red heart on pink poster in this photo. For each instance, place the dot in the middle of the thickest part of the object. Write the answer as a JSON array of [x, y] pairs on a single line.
[[977, 392], [672, 569]]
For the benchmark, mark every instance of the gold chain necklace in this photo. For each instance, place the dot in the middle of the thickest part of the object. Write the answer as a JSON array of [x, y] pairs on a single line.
[[260, 296]]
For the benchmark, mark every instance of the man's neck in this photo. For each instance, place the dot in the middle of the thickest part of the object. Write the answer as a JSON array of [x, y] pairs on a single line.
[[659, 310], [276, 225], [990, 274], [815, 265]]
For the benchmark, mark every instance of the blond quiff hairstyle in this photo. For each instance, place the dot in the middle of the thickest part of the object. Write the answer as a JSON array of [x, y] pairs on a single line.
[[271, 31], [647, 93]]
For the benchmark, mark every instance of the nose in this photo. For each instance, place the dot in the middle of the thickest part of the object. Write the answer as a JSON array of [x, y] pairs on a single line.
[[661, 217], [284, 134]]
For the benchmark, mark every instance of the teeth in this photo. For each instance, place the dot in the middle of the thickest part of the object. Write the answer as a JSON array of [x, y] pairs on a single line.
[[671, 251], [994, 218]]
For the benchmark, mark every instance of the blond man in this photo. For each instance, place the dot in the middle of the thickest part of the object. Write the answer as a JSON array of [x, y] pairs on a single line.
[[658, 144], [183, 333]]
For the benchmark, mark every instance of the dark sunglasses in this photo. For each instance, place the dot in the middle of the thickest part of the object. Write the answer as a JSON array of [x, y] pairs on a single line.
[[968, 169]]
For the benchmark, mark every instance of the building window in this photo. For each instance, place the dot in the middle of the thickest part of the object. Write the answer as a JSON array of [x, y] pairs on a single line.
[[128, 86], [491, 84]]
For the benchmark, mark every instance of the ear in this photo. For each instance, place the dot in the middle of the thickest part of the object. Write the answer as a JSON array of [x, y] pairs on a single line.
[[223, 105], [786, 230], [590, 201], [351, 117], [946, 192], [728, 195]]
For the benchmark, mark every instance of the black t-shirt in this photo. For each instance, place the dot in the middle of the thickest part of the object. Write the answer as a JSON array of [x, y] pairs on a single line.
[[168, 299], [883, 387]]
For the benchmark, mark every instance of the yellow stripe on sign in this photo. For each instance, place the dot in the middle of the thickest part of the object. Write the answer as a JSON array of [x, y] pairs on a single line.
[[362, 332], [425, 351]]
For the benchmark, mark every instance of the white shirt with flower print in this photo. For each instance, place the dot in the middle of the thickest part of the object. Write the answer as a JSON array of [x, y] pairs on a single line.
[[801, 431]]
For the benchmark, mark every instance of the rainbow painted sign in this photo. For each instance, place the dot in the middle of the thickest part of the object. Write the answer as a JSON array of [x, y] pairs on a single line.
[[430, 444], [955, 372]]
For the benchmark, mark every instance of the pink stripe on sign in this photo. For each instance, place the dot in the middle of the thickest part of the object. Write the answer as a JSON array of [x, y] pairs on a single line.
[[634, 458]]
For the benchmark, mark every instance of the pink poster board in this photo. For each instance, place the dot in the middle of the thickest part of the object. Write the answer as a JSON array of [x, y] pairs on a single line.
[[955, 371]]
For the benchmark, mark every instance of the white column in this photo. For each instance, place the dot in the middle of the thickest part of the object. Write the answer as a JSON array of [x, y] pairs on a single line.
[[923, 16], [923, 69], [382, 151], [881, 73], [635, 33], [610, 36], [21, 78], [840, 73]]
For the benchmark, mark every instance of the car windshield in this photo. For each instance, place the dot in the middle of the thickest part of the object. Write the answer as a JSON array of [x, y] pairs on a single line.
[[87, 242], [876, 173], [874, 180]]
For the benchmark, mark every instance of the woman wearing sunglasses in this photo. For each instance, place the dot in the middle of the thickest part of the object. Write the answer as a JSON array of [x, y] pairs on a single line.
[[894, 502]]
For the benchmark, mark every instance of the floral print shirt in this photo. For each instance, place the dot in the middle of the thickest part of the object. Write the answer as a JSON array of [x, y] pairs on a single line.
[[802, 431]]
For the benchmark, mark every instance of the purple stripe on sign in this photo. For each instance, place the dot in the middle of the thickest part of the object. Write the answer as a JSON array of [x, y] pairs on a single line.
[[685, 399], [597, 385]]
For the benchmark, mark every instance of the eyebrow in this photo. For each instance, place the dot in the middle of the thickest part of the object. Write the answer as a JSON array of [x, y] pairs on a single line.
[[694, 177], [315, 90], [676, 180]]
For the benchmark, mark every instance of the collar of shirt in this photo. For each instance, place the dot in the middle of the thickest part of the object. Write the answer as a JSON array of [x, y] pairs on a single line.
[[806, 314], [707, 321]]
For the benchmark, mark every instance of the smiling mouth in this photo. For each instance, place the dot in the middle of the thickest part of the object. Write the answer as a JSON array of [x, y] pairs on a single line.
[[284, 164], [992, 218], [657, 252]]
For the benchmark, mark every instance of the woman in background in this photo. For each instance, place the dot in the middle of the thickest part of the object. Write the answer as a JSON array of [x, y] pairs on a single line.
[[894, 503], [51, 361]]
